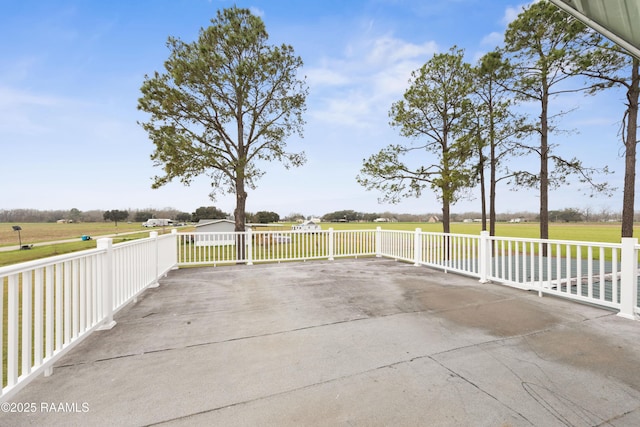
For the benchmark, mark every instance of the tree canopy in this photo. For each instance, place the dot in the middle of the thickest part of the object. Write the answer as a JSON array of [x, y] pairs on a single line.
[[608, 65], [493, 128], [431, 114], [224, 104], [543, 42], [115, 216], [265, 217], [208, 212]]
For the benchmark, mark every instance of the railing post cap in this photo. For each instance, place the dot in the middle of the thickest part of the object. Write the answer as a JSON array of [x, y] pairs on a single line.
[[104, 242]]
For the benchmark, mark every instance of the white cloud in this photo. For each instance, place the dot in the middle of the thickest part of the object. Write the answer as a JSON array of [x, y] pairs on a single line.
[[394, 80], [27, 113], [512, 12], [358, 88], [256, 11], [492, 39], [389, 50], [12, 98], [325, 77]]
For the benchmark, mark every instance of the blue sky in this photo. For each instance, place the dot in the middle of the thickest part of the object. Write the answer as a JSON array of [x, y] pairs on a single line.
[[71, 71]]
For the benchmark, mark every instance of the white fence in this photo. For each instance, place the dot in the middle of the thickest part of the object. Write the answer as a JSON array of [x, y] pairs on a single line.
[[273, 246], [48, 306]]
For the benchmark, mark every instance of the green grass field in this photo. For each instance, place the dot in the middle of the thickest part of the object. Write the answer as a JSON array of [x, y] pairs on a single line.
[[587, 232], [47, 232], [35, 233]]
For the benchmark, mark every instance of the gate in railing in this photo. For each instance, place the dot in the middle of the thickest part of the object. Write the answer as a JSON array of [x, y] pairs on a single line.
[[48, 306]]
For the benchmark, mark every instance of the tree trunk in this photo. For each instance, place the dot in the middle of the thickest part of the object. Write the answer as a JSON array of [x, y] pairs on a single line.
[[492, 172], [630, 141], [239, 215], [446, 226], [492, 192], [544, 167], [446, 216], [483, 193]]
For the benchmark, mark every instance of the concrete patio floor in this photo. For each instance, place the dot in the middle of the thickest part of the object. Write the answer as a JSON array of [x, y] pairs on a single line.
[[368, 342]]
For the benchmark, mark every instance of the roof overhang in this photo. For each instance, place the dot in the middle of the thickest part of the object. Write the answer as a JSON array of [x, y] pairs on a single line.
[[618, 20]]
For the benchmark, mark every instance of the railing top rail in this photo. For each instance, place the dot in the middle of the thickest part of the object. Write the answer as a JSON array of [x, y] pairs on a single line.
[[430, 233], [132, 242], [555, 241], [439, 233], [44, 262]]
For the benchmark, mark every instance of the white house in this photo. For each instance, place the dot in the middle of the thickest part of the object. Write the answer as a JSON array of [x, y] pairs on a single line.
[[306, 226], [225, 226]]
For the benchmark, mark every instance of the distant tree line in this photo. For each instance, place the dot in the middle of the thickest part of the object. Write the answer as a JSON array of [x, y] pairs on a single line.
[[97, 215], [211, 212]]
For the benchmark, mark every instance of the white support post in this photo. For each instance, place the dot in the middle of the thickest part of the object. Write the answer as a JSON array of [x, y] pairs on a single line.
[[417, 247], [107, 283], [331, 244], [174, 233], [628, 278], [378, 242], [249, 246], [156, 254], [484, 255]]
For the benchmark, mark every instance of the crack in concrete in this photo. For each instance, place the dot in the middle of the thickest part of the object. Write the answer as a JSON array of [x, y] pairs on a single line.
[[617, 417]]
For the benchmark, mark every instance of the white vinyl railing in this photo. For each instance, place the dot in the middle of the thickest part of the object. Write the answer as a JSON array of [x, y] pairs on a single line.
[[591, 272], [48, 306], [273, 246]]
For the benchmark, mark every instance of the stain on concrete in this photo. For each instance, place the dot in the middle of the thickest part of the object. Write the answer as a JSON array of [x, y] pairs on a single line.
[[578, 346]]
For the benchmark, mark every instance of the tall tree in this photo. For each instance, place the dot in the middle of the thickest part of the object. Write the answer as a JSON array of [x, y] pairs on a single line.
[[265, 217], [610, 65], [115, 216], [493, 128], [430, 113], [542, 42], [224, 103], [208, 212]]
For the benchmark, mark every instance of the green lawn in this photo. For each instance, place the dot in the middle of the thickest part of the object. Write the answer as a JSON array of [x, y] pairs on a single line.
[[38, 252], [588, 232]]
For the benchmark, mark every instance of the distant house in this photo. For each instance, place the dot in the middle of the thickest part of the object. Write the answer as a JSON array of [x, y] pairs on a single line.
[[225, 226], [433, 219], [381, 220], [306, 226], [517, 220]]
